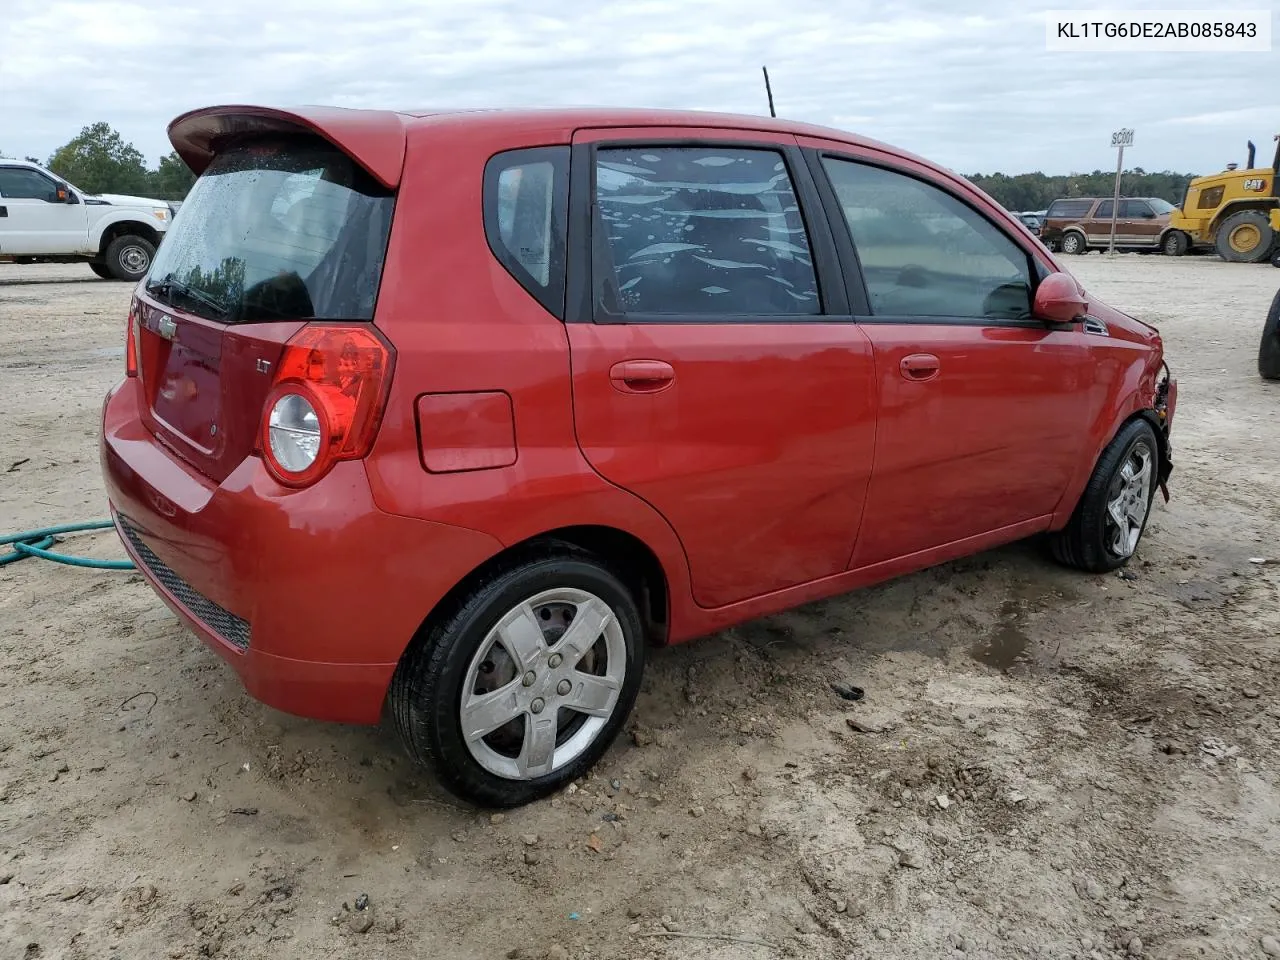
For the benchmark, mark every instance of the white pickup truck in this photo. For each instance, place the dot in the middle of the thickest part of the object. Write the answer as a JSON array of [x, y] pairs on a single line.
[[44, 219]]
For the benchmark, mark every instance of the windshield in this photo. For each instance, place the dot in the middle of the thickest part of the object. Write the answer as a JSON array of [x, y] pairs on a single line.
[[286, 229], [1161, 206]]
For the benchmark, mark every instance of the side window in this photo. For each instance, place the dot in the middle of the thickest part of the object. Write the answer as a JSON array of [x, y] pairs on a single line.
[[1104, 210], [924, 253], [19, 184], [1210, 199], [1069, 208], [1136, 210], [700, 231], [526, 207]]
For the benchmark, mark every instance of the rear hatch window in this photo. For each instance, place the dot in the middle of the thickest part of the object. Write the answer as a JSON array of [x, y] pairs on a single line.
[[287, 229], [273, 234]]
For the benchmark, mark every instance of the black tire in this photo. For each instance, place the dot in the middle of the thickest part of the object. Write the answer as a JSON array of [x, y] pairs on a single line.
[[1086, 541], [1175, 243], [101, 270], [1275, 258], [426, 694], [1269, 349], [129, 257], [1266, 237], [1073, 242]]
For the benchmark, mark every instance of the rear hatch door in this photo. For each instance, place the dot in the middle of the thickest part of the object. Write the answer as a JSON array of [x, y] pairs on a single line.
[[276, 233]]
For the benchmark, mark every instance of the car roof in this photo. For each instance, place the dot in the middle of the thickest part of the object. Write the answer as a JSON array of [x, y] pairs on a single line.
[[377, 138], [12, 162]]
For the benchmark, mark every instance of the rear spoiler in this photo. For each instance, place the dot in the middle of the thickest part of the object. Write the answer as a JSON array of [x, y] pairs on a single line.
[[375, 139]]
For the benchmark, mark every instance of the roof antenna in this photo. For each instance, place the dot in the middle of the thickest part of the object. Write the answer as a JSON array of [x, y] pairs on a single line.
[[769, 90]]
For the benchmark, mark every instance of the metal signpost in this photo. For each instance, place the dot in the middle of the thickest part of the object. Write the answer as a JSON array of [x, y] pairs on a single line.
[[1121, 139]]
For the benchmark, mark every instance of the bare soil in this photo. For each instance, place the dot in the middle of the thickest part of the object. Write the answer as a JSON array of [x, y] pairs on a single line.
[[1045, 764]]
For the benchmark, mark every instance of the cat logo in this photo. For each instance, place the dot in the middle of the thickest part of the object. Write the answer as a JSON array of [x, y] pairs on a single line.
[[1257, 184]]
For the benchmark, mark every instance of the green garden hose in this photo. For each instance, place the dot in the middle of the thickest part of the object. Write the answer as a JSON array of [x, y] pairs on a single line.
[[36, 543]]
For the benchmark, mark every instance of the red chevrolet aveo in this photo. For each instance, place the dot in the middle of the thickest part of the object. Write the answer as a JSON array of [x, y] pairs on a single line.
[[451, 415]]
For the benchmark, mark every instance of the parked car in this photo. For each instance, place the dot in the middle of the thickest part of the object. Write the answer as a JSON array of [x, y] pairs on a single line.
[[1032, 221], [1269, 348], [1081, 224], [45, 219], [455, 415]]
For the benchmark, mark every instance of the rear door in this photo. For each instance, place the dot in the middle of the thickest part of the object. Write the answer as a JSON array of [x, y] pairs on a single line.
[[34, 220], [983, 410], [1098, 226], [717, 372]]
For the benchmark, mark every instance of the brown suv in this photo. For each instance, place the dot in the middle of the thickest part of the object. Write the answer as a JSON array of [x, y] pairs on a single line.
[[1081, 224]]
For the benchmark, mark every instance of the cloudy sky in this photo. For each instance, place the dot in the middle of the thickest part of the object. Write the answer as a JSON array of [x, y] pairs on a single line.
[[967, 83]]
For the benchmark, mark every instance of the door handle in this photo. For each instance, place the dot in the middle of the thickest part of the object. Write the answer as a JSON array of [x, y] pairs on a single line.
[[920, 366], [641, 376]]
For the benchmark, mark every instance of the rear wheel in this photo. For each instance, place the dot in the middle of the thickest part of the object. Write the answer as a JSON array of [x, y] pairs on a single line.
[[1073, 243], [1269, 349], [129, 257], [523, 685], [1245, 237], [1175, 243], [101, 270], [1107, 524]]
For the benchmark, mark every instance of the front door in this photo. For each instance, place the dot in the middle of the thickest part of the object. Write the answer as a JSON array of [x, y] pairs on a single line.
[[1139, 223], [717, 373], [983, 410], [35, 220]]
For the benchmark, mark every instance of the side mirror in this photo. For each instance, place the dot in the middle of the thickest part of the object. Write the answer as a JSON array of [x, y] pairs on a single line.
[[1060, 300]]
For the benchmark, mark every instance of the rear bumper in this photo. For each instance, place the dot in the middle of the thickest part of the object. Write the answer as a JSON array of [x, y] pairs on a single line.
[[311, 595]]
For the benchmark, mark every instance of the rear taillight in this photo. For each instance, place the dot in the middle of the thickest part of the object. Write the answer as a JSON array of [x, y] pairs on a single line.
[[131, 342], [326, 401]]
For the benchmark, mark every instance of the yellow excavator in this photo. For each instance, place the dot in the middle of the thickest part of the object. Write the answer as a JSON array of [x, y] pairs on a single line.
[[1236, 213]]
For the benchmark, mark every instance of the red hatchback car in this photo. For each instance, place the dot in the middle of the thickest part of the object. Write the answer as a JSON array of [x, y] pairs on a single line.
[[452, 415]]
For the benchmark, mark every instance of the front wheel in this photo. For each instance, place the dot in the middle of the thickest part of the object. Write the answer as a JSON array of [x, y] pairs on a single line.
[[1175, 243], [129, 258], [1108, 522], [1245, 237], [523, 685]]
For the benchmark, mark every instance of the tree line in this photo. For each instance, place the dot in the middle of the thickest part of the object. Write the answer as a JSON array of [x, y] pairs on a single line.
[[1035, 191], [99, 160]]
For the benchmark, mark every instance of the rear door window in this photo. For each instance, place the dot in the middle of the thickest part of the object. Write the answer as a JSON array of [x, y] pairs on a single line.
[[526, 201], [925, 253], [287, 229], [706, 231], [1069, 209], [1104, 210]]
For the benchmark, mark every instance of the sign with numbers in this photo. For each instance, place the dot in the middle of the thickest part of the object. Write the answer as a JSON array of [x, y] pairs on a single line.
[[1122, 138]]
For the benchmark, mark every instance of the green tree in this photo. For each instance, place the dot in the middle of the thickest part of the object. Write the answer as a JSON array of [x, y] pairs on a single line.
[[98, 160], [172, 179]]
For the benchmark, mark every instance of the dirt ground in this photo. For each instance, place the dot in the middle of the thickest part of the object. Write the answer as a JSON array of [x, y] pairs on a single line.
[[1045, 764]]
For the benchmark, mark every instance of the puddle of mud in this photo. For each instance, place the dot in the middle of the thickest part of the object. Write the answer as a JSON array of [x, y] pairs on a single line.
[[1006, 645]]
